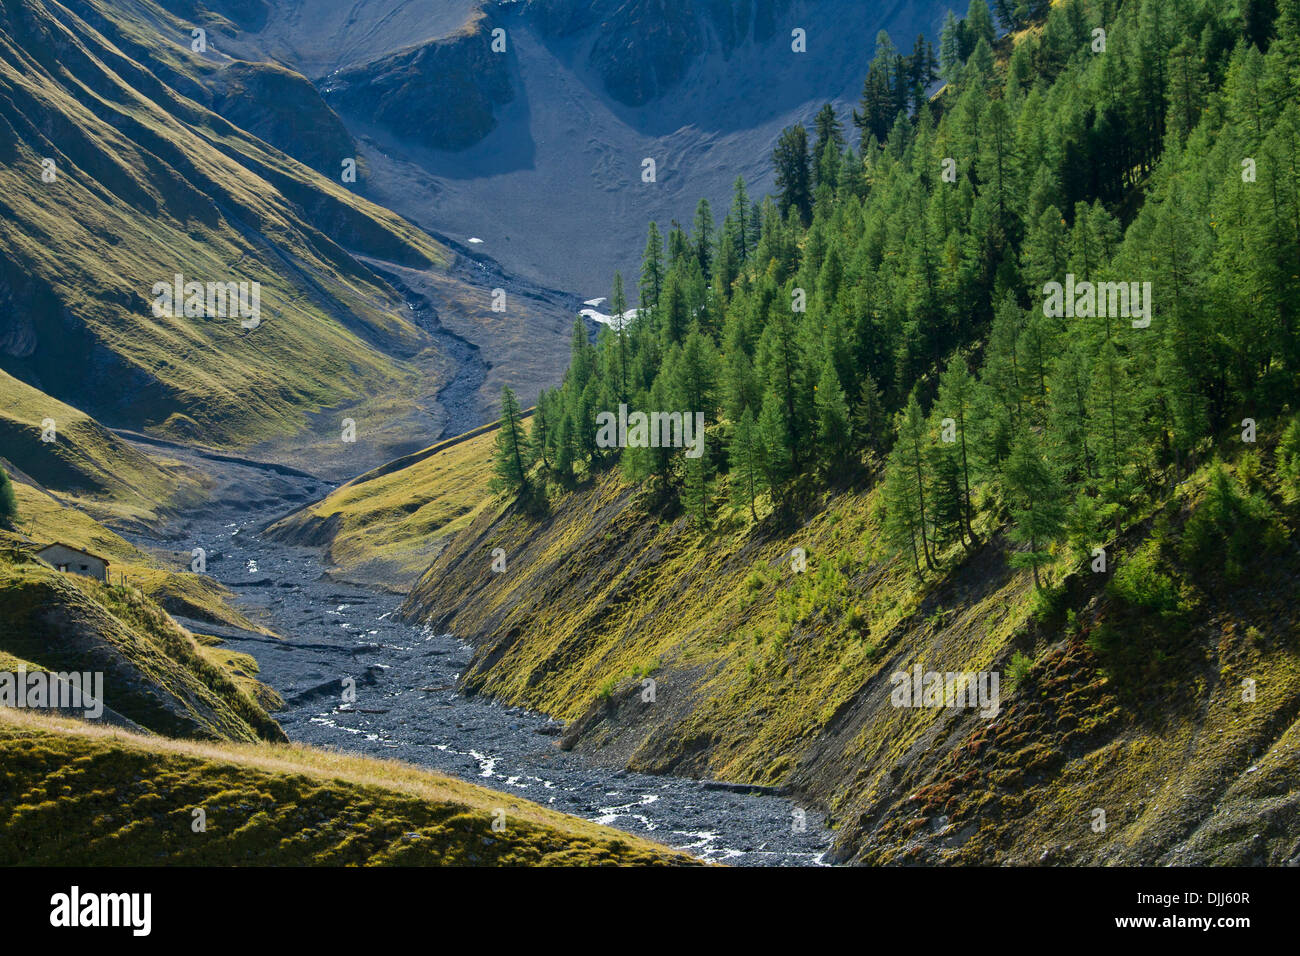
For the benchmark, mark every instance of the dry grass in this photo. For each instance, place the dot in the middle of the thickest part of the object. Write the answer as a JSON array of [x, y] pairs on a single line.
[[129, 798]]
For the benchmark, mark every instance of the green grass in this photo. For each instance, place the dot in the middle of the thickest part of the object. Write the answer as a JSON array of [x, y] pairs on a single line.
[[171, 584], [388, 527], [155, 673], [85, 464], [74, 794], [161, 185], [770, 676]]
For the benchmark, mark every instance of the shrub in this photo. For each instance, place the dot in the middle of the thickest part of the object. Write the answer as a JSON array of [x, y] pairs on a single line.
[[1140, 583], [1047, 603], [1018, 669], [1288, 462], [1229, 529]]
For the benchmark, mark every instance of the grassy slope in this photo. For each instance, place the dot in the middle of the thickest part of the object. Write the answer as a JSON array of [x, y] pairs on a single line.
[[161, 185], [386, 526], [154, 672], [77, 488], [770, 676], [86, 464], [44, 519], [77, 794], [74, 488]]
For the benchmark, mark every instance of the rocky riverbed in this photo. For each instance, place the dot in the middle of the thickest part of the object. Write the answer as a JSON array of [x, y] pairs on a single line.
[[355, 677]]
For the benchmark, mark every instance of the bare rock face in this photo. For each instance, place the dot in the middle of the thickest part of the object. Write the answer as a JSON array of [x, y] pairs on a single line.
[[644, 48], [440, 94]]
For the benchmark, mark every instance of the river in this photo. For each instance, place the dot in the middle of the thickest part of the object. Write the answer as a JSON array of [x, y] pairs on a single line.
[[336, 637]]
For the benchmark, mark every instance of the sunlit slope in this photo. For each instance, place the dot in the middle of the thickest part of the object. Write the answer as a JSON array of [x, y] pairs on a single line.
[[168, 580], [386, 526], [1124, 692], [155, 674], [66, 452], [148, 183], [79, 794]]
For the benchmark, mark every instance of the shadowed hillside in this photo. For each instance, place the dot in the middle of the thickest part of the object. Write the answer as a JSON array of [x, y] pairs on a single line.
[[155, 674]]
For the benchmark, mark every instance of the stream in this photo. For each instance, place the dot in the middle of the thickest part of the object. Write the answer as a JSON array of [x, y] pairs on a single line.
[[407, 706]]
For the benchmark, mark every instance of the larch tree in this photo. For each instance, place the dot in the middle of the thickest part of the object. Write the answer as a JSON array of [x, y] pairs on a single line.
[[510, 462]]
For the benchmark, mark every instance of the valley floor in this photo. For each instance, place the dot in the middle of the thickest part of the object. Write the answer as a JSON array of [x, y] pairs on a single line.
[[407, 706]]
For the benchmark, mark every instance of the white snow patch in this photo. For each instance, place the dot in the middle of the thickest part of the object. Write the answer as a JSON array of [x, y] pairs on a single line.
[[609, 320]]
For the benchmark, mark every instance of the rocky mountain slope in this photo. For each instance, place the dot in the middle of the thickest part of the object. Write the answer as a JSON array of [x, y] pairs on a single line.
[[552, 130]]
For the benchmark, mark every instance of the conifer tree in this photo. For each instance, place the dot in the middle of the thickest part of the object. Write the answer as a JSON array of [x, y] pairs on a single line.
[[951, 59], [911, 452], [741, 222], [618, 315], [902, 521], [746, 455], [1067, 419], [775, 441], [1037, 502], [698, 486], [542, 436], [652, 268], [794, 173], [1112, 411], [957, 393], [828, 146], [870, 420], [944, 492], [832, 417], [703, 234], [979, 22], [510, 463]]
